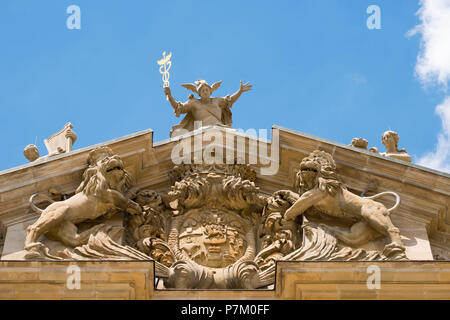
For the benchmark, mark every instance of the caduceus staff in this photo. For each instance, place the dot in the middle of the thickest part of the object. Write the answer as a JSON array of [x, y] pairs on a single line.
[[165, 65]]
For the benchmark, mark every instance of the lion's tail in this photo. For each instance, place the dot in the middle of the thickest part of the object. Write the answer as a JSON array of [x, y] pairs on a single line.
[[382, 194], [38, 195]]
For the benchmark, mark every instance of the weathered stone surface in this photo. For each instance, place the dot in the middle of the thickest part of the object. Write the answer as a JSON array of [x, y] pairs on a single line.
[[98, 280], [171, 199], [295, 280]]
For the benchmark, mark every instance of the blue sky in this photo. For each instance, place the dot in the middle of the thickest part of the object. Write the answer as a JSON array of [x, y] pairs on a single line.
[[314, 65]]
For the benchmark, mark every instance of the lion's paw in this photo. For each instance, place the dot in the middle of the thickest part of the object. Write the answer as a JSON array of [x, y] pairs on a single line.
[[34, 246], [395, 246], [34, 250], [395, 251]]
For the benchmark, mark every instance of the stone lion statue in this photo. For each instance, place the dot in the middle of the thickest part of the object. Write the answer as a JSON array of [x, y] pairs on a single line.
[[101, 192], [321, 189]]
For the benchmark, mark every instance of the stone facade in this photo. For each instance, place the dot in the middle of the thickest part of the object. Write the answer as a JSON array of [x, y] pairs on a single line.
[[224, 226]]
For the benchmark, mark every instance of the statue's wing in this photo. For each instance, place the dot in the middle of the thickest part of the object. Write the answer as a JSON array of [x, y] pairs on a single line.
[[190, 86], [216, 85]]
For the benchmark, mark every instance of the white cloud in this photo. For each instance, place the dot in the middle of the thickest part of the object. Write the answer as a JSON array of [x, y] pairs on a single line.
[[440, 158], [433, 62], [433, 67]]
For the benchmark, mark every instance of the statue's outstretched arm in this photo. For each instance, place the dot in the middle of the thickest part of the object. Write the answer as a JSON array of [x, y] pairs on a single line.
[[178, 107], [172, 101], [243, 88]]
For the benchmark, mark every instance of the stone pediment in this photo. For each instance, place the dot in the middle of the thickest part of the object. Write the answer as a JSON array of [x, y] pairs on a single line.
[[422, 215]]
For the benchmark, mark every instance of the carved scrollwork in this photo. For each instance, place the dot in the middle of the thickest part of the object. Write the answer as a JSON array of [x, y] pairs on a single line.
[[228, 186], [278, 237]]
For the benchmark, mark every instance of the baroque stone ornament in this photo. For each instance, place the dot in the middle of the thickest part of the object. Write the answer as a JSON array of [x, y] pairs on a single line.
[[213, 233], [321, 189], [214, 228], [206, 110], [62, 141], [390, 141], [359, 143], [31, 152], [101, 192], [58, 143]]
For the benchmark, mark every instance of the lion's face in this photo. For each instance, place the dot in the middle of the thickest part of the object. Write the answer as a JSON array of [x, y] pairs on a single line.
[[312, 167], [113, 170], [105, 171], [309, 170]]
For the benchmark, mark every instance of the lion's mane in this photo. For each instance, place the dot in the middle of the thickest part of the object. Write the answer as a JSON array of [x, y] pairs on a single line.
[[95, 179], [326, 178]]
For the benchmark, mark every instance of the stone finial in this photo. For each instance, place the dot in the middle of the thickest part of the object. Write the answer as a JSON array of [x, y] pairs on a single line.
[[359, 143], [62, 141], [31, 152], [390, 141]]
